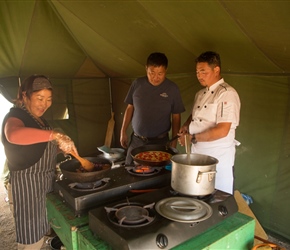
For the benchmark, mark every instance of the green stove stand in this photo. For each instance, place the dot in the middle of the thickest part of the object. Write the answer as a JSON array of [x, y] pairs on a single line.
[[236, 232], [88, 241], [64, 222]]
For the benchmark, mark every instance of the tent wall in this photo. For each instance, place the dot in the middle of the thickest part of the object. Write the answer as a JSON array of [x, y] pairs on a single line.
[[92, 107]]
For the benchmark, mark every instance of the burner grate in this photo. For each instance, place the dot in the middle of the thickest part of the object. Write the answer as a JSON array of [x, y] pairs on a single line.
[[131, 215], [89, 186]]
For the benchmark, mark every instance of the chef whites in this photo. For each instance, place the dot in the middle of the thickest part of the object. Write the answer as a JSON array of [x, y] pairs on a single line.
[[218, 103]]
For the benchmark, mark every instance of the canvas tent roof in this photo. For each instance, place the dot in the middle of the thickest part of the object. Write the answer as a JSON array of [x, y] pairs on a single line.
[[93, 49], [112, 38]]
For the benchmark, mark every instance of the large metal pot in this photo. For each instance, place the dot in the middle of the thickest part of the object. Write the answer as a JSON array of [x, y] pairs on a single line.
[[69, 170], [193, 174]]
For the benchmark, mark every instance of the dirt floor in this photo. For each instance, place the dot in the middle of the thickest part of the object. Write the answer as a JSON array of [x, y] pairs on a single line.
[[7, 230]]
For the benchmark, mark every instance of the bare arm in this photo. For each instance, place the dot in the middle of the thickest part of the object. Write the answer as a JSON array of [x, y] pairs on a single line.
[[17, 133], [126, 121], [219, 131], [176, 120], [185, 126]]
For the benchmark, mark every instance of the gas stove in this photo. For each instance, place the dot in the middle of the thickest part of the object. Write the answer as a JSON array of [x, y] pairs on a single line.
[[117, 184], [147, 222]]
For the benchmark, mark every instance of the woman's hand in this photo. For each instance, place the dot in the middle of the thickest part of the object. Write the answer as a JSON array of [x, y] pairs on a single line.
[[64, 142]]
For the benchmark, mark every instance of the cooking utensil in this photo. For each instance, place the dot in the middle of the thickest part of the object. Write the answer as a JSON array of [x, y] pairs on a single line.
[[171, 140], [69, 169], [187, 143], [110, 131], [141, 191], [193, 174], [112, 153], [87, 165], [154, 147], [104, 149]]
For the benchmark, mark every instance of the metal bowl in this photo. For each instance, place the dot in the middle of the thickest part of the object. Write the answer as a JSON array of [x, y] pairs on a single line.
[[114, 154]]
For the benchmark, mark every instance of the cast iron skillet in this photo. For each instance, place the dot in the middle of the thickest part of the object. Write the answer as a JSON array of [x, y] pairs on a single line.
[[69, 170], [154, 147]]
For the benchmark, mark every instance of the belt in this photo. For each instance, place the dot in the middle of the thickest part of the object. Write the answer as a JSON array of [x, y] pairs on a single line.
[[144, 138]]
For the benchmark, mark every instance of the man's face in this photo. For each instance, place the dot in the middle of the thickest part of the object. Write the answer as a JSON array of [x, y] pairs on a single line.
[[156, 75], [206, 75]]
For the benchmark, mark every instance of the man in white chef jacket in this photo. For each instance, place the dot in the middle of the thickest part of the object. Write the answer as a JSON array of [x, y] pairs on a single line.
[[214, 119]]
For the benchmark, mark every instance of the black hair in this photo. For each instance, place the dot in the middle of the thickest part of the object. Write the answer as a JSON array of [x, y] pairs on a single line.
[[27, 88], [210, 57], [157, 59]]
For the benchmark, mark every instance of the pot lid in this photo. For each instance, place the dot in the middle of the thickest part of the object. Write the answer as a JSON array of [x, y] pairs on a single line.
[[183, 209]]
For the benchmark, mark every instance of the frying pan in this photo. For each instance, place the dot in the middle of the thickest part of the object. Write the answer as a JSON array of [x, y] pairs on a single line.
[[69, 170], [154, 147]]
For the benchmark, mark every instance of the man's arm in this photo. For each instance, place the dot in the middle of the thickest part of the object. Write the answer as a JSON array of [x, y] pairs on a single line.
[[219, 131], [126, 121], [176, 121]]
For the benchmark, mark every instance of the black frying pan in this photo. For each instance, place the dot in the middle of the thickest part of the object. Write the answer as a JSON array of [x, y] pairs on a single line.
[[69, 170], [154, 147]]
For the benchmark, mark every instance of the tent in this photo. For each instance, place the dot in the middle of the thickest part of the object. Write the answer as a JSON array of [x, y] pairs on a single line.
[[92, 50]]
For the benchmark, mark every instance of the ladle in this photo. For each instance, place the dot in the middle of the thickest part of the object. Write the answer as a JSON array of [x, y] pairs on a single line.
[[86, 164], [187, 146]]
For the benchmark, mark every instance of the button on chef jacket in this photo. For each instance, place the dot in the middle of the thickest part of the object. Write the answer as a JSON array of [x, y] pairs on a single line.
[[218, 103]]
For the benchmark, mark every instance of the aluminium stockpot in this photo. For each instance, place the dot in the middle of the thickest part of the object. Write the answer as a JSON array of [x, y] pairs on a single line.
[[193, 174]]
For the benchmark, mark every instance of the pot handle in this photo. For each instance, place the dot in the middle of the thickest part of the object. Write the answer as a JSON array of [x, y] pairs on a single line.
[[209, 173]]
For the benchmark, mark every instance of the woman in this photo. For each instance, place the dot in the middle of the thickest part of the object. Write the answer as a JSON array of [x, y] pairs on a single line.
[[30, 146]]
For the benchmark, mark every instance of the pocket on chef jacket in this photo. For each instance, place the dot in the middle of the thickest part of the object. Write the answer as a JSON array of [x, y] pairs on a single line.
[[208, 112]]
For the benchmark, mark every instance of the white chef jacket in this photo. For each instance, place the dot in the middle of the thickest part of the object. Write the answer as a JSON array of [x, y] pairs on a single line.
[[218, 103]]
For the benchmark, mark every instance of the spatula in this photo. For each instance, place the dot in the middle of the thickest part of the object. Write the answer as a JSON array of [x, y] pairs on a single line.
[[86, 164]]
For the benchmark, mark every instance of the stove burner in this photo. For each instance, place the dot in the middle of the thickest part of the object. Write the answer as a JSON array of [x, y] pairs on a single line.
[[89, 186], [143, 170], [131, 215]]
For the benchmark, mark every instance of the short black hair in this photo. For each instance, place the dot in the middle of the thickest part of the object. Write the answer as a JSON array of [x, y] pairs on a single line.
[[210, 57], [157, 59]]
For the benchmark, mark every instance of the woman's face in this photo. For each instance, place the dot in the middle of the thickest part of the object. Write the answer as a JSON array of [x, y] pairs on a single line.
[[39, 102]]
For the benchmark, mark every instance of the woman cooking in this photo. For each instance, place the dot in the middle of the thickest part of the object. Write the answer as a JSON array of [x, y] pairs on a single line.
[[30, 146]]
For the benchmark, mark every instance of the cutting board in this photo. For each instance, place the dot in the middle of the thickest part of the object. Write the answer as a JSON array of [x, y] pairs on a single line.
[[245, 209], [110, 131]]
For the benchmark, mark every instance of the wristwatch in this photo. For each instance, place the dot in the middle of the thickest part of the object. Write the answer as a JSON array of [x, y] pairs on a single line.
[[193, 139]]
